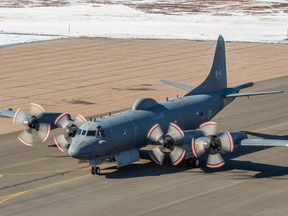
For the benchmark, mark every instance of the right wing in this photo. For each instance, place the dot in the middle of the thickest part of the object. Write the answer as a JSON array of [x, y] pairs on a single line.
[[8, 112]]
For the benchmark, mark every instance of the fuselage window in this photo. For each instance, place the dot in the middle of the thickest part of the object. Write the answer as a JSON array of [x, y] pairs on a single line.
[[83, 133], [79, 132], [100, 133], [91, 133]]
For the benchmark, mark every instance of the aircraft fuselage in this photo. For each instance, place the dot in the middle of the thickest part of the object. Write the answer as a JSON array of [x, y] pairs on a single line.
[[128, 130]]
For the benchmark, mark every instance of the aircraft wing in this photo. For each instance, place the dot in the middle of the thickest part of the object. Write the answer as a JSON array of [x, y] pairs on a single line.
[[8, 112], [185, 87], [263, 142], [250, 94]]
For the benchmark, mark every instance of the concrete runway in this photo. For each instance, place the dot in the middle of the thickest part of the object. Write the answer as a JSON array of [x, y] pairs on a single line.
[[42, 181]]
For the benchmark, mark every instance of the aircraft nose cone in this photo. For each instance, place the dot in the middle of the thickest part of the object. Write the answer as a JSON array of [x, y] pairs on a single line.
[[80, 149], [73, 152]]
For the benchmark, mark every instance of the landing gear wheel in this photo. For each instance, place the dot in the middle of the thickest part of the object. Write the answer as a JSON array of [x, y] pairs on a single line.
[[97, 170], [196, 162], [189, 162], [93, 170]]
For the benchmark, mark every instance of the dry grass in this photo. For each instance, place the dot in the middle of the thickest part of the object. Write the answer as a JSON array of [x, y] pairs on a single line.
[[176, 7], [30, 3]]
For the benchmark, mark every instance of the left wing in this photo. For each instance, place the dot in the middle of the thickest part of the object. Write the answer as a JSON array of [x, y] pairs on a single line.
[[263, 142]]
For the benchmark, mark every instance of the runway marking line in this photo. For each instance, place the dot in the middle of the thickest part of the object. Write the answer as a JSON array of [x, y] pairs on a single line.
[[33, 173], [271, 127], [16, 194], [7, 197]]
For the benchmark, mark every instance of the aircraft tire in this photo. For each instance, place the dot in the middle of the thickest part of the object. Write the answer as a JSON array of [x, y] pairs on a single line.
[[97, 170], [93, 170], [196, 162]]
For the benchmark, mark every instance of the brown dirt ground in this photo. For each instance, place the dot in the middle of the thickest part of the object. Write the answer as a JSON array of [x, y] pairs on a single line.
[[100, 75]]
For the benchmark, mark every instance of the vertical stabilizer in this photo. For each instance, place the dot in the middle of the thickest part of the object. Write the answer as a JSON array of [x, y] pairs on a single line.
[[216, 79]]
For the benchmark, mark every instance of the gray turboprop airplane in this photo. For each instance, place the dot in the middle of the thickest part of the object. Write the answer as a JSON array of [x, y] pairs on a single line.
[[169, 124]]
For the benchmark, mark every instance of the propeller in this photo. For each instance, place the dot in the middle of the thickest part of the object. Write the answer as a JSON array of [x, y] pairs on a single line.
[[70, 127], [33, 121], [214, 143], [170, 141]]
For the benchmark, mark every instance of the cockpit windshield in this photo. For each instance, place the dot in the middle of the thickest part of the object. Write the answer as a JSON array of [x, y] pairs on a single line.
[[79, 132], [91, 133], [100, 133]]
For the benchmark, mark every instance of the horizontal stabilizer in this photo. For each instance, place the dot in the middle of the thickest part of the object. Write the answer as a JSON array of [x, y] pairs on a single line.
[[242, 86], [185, 87], [263, 142], [250, 94]]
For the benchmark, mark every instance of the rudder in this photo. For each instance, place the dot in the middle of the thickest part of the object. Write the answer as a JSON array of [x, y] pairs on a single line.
[[216, 79]]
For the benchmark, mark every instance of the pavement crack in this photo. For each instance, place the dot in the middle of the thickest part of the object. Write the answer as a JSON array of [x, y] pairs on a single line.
[[42, 178]]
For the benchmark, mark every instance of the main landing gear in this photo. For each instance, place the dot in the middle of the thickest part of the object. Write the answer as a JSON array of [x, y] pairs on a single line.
[[95, 170], [193, 162]]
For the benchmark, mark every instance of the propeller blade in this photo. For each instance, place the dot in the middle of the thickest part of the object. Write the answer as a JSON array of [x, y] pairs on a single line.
[[80, 120], [36, 109], [155, 133], [197, 146], [62, 120], [44, 131], [175, 131], [26, 137], [157, 155], [61, 142], [177, 155], [19, 117], [227, 143], [215, 160], [208, 128]]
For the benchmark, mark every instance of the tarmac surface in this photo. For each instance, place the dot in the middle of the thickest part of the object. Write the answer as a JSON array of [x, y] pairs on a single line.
[[40, 180]]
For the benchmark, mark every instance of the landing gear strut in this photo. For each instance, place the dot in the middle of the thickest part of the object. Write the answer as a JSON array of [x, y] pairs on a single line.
[[193, 162], [95, 170]]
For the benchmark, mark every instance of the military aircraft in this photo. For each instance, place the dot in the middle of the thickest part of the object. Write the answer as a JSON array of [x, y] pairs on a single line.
[[170, 125]]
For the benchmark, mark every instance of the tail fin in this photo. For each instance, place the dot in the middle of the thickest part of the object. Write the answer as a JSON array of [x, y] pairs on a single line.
[[216, 79]]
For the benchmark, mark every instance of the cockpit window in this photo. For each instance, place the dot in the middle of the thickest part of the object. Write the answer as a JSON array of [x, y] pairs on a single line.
[[100, 133], [91, 133], [83, 133], [79, 132]]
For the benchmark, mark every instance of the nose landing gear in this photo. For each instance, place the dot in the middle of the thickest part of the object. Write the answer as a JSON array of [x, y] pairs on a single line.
[[95, 170]]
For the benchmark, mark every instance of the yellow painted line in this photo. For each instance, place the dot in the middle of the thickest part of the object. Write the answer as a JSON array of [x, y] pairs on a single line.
[[271, 127], [7, 197], [33, 173], [16, 194], [1, 175]]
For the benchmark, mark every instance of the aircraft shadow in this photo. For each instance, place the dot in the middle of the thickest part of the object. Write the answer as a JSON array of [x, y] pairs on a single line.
[[267, 136], [152, 169]]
